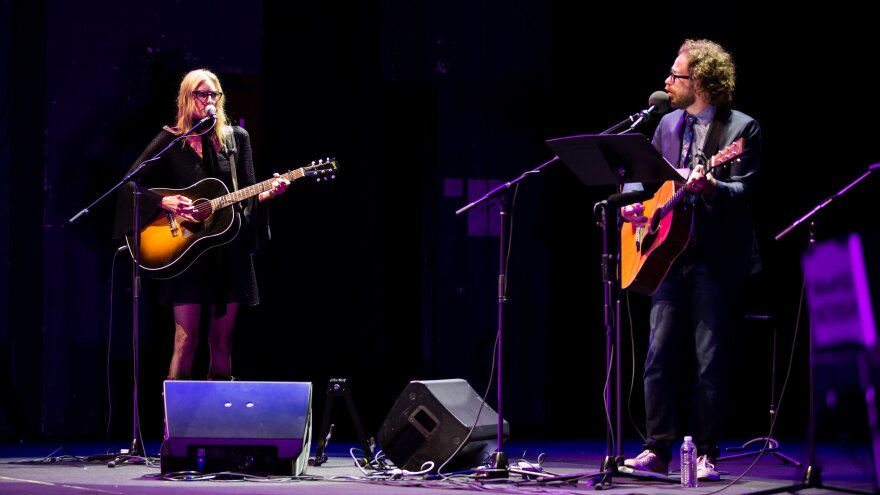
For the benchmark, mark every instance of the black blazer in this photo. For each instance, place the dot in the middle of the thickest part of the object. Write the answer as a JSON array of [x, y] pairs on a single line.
[[723, 232]]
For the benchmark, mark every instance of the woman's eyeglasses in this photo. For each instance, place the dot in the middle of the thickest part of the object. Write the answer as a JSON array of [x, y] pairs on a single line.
[[205, 95]]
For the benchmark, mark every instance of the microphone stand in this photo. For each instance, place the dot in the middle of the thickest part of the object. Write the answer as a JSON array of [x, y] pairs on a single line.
[[827, 201], [137, 443], [498, 459], [813, 474], [634, 120], [611, 280], [657, 103]]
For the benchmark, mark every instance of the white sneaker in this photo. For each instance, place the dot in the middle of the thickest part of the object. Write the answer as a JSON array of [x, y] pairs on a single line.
[[706, 469], [647, 461]]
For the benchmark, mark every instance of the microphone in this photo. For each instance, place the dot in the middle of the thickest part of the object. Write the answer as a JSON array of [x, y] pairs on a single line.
[[211, 110], [657, 103]]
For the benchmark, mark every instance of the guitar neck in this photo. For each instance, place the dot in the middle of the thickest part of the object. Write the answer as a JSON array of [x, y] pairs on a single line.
[[724, 156], [666, 207], [249, 191]]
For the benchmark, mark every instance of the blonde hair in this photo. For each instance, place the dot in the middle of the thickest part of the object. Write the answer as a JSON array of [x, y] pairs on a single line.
[[186, 105]]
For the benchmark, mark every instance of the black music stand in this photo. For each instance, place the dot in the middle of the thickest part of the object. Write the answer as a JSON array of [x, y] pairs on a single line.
[[613, 159], [604, 160]]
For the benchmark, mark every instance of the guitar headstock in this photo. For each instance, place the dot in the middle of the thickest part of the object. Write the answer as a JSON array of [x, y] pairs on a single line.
[[322, 169], [728, 153]]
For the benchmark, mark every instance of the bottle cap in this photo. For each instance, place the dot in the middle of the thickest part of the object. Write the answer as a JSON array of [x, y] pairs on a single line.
[[688, 438]]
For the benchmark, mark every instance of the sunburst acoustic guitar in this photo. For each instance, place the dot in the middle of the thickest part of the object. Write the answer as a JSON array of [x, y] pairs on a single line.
[[169, 243]]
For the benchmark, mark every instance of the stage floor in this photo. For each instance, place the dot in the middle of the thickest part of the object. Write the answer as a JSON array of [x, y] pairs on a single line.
[[29, 468]]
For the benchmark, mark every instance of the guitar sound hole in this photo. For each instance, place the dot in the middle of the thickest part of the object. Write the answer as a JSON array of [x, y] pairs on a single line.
[[203, 210], [655, 223]]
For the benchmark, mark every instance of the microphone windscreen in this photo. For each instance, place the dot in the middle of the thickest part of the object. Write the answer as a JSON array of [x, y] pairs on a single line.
[[212, 110], [660, 101]]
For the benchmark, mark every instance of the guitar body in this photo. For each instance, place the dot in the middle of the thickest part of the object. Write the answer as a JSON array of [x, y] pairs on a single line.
[[170, 244], [648, 252]]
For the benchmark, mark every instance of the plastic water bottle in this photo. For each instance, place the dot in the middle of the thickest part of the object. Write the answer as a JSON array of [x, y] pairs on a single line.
[[688, 463]]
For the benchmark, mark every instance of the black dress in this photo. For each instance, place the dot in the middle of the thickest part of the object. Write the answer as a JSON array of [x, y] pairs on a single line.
[[223, 274]]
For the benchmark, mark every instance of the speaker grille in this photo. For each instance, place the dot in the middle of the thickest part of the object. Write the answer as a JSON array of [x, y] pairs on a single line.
[[432, 418]]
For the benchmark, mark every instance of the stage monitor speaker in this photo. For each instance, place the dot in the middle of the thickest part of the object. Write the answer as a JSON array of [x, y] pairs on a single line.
[[247, 427], [431, 419]]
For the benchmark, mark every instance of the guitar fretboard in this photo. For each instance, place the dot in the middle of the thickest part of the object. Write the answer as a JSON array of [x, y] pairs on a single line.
[[247, 192], [673, 201], [727, 154]]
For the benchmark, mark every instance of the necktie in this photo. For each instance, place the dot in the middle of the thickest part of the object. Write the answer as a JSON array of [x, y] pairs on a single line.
[[687, 140]]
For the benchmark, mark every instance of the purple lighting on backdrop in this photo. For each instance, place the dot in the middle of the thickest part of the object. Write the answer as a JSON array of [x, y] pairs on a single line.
[[838, 294], [863, 291], [482, 220]]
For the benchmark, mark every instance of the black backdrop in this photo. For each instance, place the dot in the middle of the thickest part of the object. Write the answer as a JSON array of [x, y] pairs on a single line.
[[372, 277]]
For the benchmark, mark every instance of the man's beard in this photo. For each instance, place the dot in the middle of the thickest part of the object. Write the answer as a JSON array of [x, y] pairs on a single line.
[[684, 100]]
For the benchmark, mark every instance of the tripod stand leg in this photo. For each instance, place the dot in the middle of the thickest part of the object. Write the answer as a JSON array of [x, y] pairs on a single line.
[[326, 430], [786, 459], [772, 448], [337, 387], [772, 444], [358, 427], [813, 475]]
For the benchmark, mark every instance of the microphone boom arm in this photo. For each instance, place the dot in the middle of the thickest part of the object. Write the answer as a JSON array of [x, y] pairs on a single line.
[[657, 103]]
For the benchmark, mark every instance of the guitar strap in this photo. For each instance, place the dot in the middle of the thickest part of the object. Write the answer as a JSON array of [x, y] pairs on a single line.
[[716, 130], [221, 289], [230, 150]]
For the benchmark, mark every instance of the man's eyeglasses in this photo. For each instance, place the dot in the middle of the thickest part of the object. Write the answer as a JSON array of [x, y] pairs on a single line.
[[204, 95], [675, 76]]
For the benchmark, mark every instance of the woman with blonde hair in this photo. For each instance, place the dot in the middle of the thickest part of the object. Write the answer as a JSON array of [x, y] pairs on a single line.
[[208, 288]]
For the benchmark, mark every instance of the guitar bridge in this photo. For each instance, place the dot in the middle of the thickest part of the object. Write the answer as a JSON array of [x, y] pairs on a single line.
[[173, 226]]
